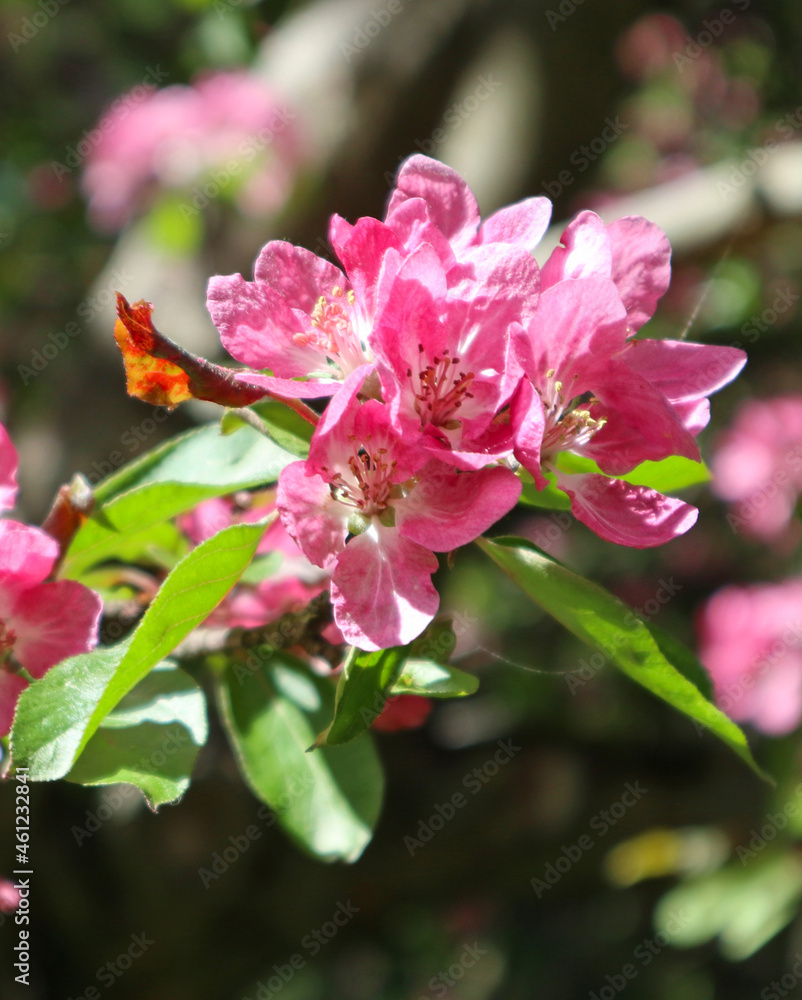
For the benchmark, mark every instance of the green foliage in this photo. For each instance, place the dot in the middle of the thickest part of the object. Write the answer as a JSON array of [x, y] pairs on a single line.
[[667, 476], [327, 801], [151, 740], [605, 623], [365, 683], [59, 714]]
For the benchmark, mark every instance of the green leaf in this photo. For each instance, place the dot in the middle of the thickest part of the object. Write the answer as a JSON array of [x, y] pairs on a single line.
[[434, 680], [604, 622], [151, 740], [173, 478], [58, 715], [202, 457], [287, 428], [327, 801], [365, 683], [549, 498], [666, 476], [745, 905]]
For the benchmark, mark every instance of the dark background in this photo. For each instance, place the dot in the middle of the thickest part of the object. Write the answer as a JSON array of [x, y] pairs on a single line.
[[581, 741]]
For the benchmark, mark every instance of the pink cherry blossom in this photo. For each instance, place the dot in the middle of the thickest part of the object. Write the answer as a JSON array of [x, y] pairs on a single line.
[[300, 318], [431, 204], [9, 896], [757, 467], [41, 623], [364, 507], [182, 136], [289, 588], [592, 391], [443, 357], [751, 642]]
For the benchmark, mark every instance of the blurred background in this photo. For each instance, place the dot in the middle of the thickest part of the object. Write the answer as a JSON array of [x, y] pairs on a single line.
[[611, 847]]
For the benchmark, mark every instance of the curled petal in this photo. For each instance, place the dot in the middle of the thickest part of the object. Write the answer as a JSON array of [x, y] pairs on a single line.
[[585, 252], [682, 371], [626, 514]]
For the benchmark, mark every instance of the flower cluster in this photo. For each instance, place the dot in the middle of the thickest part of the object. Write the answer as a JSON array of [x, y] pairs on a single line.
[[41, 622], [226, 132], [456, 365]]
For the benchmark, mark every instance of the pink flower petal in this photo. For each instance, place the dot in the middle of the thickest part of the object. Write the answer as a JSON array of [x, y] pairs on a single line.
[[626, 514], [452, 206], [641, 425], [585, 252], [316, 521], [27, 555], [412, 224], [8, 471], [258, 328], [363, 255], [641, 266], [11, 687], [684, 371], [528, 419], [522, 224], [446, 510], [577, 322], [381, 589], [53, 621], [299, 276]]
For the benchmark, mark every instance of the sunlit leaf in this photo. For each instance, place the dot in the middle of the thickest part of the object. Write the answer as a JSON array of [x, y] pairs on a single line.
[[327, 801], [604, 622]]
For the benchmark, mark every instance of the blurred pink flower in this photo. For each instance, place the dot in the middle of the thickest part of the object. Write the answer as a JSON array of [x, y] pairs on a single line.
[[225, 129], [41, 623], [9, 896], [757, 467], [289, 588], [751, 642]]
